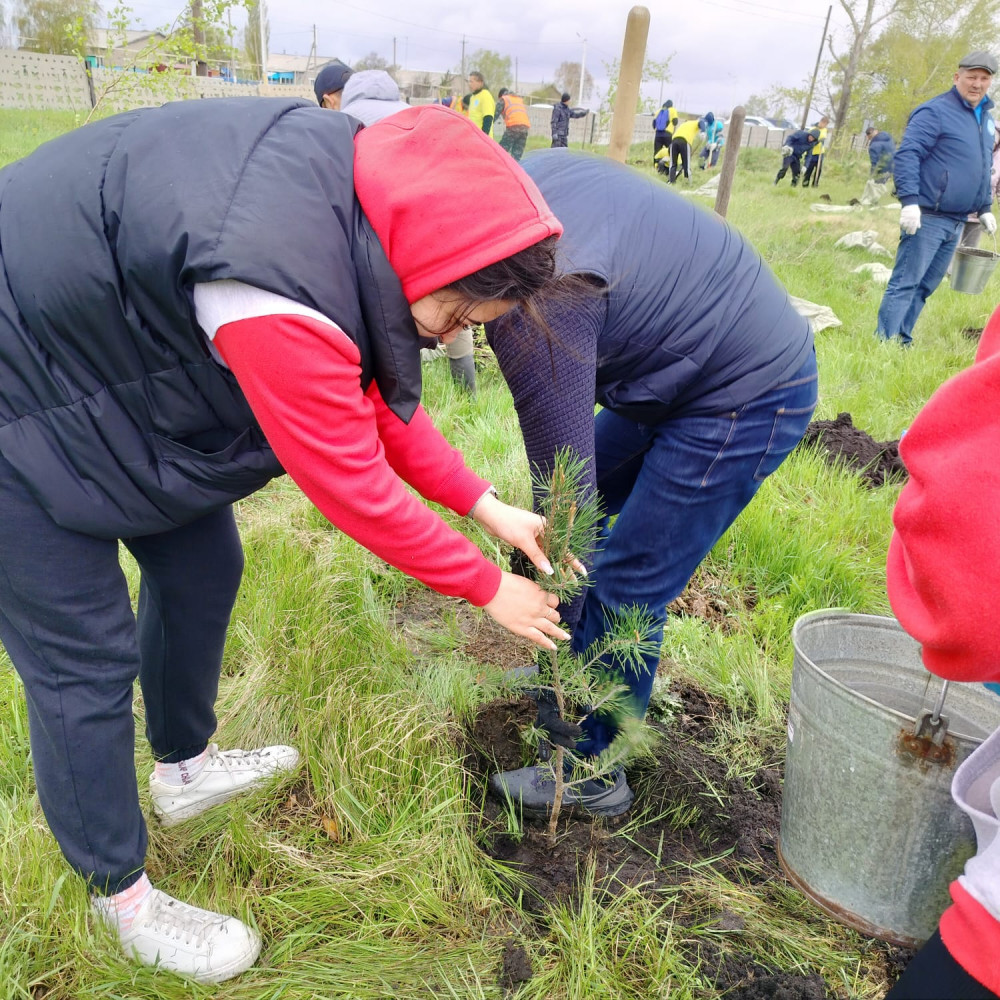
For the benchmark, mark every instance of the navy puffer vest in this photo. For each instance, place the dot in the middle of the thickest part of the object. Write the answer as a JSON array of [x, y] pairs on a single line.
[[111, 407]]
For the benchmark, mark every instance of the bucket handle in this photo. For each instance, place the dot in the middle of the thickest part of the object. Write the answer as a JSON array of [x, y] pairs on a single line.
[[931, 724]]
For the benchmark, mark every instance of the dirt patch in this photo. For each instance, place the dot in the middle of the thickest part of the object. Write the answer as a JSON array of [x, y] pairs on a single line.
[[709, 597], [515, 967], [972, 332], [431, 623], [878, 462], [692, 810]]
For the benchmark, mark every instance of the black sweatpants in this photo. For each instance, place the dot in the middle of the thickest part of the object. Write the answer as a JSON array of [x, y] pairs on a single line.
[[67, 624], [660, 139], [680, 152]]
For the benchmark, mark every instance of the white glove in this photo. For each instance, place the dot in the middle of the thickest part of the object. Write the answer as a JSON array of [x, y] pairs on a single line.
[[786, 150], [989, 221], [909, 219]]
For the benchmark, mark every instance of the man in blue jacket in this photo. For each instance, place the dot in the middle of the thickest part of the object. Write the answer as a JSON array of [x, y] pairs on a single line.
[[942, 174], [881, 150]]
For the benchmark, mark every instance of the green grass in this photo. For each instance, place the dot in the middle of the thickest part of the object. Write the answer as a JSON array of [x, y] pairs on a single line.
[[363, 874]]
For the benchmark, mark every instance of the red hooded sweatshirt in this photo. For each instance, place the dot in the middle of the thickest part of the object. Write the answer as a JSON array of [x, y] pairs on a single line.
[[302, 376], [943, 571]]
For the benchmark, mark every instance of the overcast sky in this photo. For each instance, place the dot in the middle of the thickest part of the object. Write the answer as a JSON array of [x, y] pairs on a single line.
[[722, 50]]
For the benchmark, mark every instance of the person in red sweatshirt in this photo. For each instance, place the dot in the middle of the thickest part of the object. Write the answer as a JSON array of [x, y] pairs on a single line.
[[196, 299], [941, 574]]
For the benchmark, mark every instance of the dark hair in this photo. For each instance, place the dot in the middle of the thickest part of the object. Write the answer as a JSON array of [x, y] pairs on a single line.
[[528, 278], [476, 75], [502, 91], [516, 278], [564, 98]]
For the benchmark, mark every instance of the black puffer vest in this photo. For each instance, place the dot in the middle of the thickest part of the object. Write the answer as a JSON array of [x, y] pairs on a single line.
[[111, 407]]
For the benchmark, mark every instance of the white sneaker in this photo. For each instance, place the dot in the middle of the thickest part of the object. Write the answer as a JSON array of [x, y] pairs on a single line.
[[182, 938], [226, 774]]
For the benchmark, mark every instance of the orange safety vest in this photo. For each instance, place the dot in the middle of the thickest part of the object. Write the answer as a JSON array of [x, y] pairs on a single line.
[[513, 110]]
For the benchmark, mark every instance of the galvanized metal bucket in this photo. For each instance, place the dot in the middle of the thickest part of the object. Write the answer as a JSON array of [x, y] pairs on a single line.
[[869, 831], [971, 269]]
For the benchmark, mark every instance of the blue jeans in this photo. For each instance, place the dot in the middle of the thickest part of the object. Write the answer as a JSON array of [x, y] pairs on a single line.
[[921, 262], [675, 488]]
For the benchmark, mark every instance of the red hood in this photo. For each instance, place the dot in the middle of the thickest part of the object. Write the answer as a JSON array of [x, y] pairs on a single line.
[[444, 198]]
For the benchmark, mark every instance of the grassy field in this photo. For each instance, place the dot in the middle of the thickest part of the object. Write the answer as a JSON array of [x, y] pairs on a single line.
[[364, 873]]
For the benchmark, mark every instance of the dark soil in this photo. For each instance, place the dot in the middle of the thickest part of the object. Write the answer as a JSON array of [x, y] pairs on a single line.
[[707, 596], [515, 967], [878, 462], [692, 810], [731, 819]]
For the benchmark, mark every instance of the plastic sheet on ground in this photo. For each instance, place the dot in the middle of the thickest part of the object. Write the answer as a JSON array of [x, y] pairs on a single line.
[[822, 206], [710, 187], [820, 317], [874, 192], [879, 273], [865, 238]]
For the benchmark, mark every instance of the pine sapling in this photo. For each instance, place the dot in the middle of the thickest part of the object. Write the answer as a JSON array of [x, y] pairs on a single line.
[[592, 679]]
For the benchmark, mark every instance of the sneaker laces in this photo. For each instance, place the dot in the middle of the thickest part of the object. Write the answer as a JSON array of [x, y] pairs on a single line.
[[181, 921], [235, 760]]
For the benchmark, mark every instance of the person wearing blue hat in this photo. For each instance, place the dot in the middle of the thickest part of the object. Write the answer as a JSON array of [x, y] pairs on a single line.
[[329, 84]]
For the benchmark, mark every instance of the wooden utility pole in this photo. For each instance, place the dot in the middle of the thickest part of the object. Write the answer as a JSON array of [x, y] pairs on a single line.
[[198, 37], [734, 140], [819, 55], [629, 81]]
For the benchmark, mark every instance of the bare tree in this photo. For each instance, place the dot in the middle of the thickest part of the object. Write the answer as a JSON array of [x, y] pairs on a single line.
[[371, 61], [567, 79], [864, 17]]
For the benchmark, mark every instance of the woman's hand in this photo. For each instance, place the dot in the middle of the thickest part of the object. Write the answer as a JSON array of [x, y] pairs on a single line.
[[521, 528], [523, 608]]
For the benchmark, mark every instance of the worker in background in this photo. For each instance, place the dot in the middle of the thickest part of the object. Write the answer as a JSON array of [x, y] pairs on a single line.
[[814, 156], [329, 84], [679, 154], [516, 123], [482, 106], [663, 127], [796, 143], [712, 128], [561, 114]]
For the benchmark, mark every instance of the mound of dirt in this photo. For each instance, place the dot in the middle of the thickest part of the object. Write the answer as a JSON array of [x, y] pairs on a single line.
[[878, 462]]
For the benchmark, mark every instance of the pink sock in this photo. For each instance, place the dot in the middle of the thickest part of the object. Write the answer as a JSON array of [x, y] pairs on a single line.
[[120, 909], [181, 773]]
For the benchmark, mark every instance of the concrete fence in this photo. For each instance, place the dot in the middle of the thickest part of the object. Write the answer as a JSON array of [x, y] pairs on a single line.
[[37, 81]]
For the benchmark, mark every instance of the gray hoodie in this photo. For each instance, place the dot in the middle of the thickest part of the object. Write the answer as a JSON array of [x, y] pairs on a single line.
[[371, 95]]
